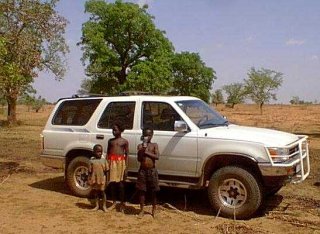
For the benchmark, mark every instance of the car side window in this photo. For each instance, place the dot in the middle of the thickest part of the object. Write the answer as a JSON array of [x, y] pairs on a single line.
[[75, 112], [118, 112], [159, 116]]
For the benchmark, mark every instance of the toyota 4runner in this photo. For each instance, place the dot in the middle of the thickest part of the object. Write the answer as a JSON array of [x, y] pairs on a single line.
[[199, 148]]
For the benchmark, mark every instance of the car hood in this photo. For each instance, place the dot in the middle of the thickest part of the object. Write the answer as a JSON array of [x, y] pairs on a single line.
[[268, 137]]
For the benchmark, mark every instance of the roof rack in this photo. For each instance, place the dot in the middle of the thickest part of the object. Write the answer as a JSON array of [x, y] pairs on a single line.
[[125, 93], [129, 93], [89, 95]]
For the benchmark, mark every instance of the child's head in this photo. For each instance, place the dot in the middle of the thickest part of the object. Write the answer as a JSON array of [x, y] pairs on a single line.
[[97, 151], [148, 133], [117, 129]]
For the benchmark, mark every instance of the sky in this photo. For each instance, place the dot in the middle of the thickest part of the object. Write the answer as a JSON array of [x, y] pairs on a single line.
[[231, 36]]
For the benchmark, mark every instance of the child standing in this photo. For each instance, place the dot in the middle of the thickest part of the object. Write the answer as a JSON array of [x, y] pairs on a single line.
[[97, 176], [118, 160], [147, 179]]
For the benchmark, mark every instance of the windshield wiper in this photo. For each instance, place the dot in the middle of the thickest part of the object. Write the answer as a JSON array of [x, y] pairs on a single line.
[[226, 123]]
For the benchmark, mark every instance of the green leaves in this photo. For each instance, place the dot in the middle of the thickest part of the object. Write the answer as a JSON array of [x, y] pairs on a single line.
[[191, 76], [123, 50], [236, 93], [32, 40], [217, 97], [120, 41], [262, 84]]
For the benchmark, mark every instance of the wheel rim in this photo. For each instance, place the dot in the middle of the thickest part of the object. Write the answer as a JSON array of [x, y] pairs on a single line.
[[232, 193], [81, 177]]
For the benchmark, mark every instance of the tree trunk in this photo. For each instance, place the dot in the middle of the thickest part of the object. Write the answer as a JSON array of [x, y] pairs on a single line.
[[12, 107], [260, 106], [122, 76]]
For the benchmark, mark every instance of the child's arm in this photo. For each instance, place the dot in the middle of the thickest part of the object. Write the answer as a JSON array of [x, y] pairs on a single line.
[[126, 148], [140, 152], [90, 168], [126, 151], [109, 147]]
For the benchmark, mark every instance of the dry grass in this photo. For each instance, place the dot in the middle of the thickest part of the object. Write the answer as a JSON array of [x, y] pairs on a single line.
[[21, 143], [290, 118], [295, 210]]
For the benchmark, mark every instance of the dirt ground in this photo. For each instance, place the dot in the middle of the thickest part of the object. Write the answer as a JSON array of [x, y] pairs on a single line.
[[34, 198]]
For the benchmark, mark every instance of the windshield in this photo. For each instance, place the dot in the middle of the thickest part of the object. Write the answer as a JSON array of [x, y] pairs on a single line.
[[201, 114]]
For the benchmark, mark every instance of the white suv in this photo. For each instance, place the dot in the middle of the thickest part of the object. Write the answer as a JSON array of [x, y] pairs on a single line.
[[199, 148]]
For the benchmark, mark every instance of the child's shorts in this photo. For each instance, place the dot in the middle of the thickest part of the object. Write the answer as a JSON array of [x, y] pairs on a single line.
[[148, 179]]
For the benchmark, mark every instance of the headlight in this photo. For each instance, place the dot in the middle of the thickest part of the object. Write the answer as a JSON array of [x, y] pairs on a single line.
[[279, 155]]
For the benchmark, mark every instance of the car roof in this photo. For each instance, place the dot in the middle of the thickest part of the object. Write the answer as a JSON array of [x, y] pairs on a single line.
[[133, 98]]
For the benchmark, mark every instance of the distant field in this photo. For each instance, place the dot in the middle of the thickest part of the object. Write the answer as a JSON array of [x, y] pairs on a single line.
[[291, 118]]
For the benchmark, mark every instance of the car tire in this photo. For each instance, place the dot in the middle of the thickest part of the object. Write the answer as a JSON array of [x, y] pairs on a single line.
[[234, 192], [77, 176]]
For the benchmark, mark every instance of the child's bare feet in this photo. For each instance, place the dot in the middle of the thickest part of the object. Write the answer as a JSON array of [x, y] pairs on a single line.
[[104, 208], [96, 207], [112, 206], [122, 207], [141, 213], [154, 212]]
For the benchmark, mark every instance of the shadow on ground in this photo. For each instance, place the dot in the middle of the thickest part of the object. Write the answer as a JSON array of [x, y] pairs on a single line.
[[171, 198], [55, 184], [8, 167]]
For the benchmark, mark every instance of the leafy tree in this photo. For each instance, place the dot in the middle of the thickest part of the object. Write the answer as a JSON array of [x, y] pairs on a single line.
[[191, 76], [31, 38], [29, 99], [123, 49], [217, 97], [38, 103], [295, 100], [236, 93], [153, 76], [261, 85], [28, 96]]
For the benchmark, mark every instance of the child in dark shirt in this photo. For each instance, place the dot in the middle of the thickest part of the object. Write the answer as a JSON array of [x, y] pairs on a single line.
[[147, 179], [97, 176]]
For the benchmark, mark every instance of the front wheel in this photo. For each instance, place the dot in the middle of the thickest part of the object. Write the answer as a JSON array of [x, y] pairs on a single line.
[[234, 192], [77, 176]]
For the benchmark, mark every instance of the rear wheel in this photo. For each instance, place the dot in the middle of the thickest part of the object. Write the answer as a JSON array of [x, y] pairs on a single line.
[[234, 192], [77, 176]]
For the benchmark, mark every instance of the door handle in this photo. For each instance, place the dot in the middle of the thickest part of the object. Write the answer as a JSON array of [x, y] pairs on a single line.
[[100, 137]]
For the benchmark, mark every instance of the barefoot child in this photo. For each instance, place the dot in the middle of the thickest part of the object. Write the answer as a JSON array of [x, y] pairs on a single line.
[[97, 176], [147, 179], [118, 160]]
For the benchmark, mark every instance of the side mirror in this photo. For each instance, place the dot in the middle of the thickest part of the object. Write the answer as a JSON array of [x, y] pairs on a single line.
[[180, 126]]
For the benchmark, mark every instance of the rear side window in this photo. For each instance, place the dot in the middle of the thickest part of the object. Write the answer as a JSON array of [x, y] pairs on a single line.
[[118, 112], [75, 112]]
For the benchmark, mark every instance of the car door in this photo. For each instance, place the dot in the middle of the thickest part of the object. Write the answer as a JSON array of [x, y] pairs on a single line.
[[122, 113], [178, 150]]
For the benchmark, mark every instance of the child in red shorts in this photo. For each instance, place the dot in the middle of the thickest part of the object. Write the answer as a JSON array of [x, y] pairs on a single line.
[[118, 160]]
